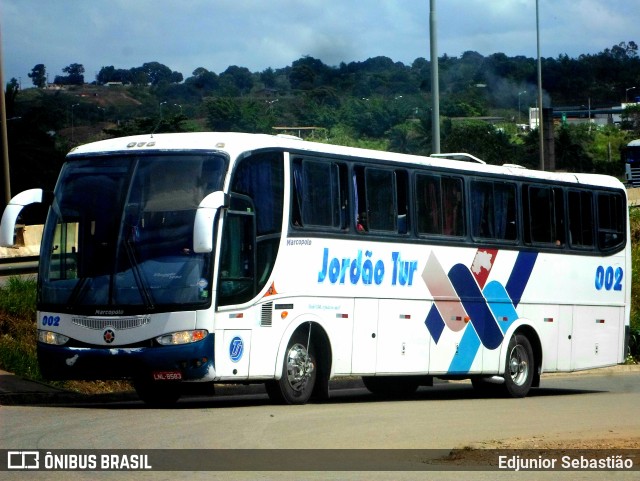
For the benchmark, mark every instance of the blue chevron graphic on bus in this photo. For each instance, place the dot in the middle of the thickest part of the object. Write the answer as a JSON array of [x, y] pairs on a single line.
[[490, 308]]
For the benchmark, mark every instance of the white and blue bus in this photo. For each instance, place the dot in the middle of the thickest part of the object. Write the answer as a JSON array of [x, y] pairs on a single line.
[[241, 258], [631, 158]]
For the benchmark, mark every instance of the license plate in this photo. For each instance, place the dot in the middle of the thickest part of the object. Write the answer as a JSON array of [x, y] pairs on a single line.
[[167, 376]]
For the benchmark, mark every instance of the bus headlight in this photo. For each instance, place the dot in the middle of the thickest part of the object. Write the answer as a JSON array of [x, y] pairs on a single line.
[[48, 337], [182, 337]]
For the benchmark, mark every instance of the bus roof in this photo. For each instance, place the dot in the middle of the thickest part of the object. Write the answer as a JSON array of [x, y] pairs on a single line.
[[235, 144]]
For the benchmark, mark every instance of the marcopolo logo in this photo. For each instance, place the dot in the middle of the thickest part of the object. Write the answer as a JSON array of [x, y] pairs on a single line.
[[236, 348]]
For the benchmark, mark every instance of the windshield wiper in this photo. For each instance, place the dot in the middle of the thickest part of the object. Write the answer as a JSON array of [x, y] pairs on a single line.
[[79, 291], [138, 274]]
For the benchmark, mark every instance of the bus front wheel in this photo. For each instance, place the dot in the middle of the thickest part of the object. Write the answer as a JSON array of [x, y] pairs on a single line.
[[299, 372], [520, 366]]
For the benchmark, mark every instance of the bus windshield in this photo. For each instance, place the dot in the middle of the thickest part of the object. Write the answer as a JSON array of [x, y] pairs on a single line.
[[120, 233], [632, 154]]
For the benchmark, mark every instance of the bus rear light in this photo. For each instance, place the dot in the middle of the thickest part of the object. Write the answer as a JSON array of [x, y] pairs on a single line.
[[48, 337], [182, 337]]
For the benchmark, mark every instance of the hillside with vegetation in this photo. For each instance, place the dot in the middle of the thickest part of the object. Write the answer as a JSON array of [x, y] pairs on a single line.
[[375, 103]]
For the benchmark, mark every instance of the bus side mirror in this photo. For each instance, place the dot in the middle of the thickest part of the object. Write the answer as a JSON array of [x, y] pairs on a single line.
[[12, 211], [203, 223]]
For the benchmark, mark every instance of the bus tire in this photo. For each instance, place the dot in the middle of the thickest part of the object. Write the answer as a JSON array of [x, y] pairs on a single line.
[[299, 372], [519, 368], [157, 394]]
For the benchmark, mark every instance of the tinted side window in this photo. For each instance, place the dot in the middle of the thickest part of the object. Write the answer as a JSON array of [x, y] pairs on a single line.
[[493, 210], [580, 214], [319, 194], [611, 220], [439, 205], [381, 198], [544, 215], [261, 177]]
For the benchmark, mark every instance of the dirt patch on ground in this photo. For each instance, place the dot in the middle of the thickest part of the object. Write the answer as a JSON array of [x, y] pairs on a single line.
[[487, 454], [582, 440]]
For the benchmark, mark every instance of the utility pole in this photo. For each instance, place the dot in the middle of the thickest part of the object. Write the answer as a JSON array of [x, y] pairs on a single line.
[[540, 133], [5, 140], [435, 86]]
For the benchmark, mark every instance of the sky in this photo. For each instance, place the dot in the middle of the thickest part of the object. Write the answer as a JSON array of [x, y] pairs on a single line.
[[258, 34]]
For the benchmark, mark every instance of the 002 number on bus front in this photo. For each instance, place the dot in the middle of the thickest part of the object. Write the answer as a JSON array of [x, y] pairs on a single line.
[[51, 320], [608, 278]]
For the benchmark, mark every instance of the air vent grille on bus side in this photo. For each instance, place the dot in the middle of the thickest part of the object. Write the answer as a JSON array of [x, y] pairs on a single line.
[[266, 318]]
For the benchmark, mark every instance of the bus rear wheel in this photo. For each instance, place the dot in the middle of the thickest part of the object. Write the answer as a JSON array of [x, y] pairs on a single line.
[[520, 366], [299, 372]]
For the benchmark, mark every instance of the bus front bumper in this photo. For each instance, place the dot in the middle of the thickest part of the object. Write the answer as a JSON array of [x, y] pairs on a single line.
[[186, 362]]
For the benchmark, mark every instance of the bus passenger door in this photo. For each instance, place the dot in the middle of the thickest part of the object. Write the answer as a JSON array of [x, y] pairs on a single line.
[[365, 334]]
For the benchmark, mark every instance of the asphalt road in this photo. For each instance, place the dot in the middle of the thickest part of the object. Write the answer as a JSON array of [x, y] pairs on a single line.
[[449, 415]]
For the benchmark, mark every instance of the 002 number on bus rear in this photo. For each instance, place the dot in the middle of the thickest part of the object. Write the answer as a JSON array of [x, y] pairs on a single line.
[[609, 278]]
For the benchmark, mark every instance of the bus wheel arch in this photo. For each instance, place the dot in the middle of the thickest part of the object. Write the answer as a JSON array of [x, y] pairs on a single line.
[[303, 366], [534, 339], [522, 361]]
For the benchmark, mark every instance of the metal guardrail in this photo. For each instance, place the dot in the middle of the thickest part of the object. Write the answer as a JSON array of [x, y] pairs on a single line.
[[15, 266]]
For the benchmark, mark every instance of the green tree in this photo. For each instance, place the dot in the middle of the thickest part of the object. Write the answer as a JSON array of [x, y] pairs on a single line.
[[232, 114], [75, 75], [308, 73], [631, 118], [157, 72], [268, 78], [605, 145], [203, 81], [10, 95], [372, 117], [236, 80], [480, 139], [38, 75], [570, 152], [112, 74]]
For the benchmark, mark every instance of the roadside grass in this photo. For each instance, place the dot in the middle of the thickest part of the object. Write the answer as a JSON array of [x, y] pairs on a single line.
[[18, 334], [18, 329], [634, 340]]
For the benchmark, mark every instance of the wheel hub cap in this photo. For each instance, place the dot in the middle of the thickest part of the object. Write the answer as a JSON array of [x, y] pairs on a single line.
[[518, 365], [299, 367]]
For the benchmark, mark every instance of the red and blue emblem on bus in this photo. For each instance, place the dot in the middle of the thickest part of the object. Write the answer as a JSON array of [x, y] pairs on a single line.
[[463, 297]]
